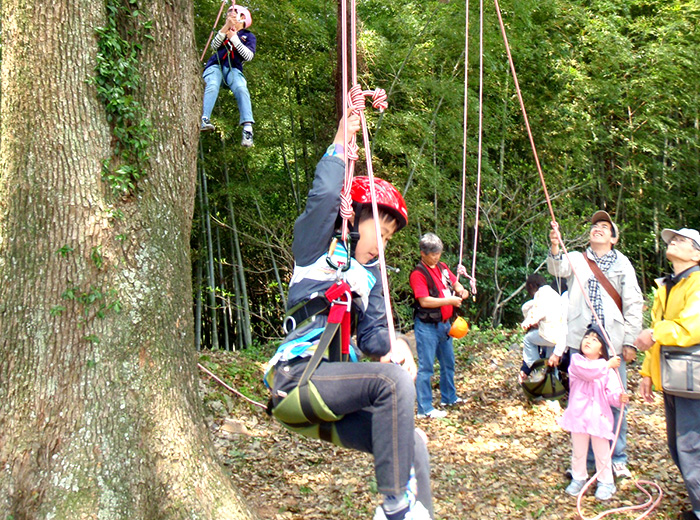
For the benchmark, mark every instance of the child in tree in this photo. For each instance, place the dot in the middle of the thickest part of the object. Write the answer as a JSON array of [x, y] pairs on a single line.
[[370, 405], [233, 46], [594, 388]]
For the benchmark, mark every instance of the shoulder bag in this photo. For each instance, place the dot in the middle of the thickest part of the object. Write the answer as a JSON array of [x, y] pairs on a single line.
[[680, 367], [680, 371]]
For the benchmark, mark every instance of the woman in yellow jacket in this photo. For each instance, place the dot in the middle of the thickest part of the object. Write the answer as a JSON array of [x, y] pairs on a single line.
[[676, 322]]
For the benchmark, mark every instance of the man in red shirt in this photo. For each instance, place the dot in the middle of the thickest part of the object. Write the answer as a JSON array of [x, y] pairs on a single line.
[[436, 292]]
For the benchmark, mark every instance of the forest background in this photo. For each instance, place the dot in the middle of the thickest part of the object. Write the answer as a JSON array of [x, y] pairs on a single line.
[[100, 409], [611, 88]]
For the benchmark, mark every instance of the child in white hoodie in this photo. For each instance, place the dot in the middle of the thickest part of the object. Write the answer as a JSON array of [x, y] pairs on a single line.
[[544, 324]]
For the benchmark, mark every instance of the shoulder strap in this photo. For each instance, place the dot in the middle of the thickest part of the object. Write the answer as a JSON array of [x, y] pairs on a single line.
[[445, 271], [432, 288], [600, 276]]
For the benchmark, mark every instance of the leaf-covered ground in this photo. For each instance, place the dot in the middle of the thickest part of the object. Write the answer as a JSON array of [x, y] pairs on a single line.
[[495, 456]]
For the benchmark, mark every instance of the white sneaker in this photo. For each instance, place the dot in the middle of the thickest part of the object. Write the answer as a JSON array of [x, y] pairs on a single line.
[[247, 139], [605, 491], [620, 470], [417, 512], [432, 414], [457, 401], [206, 125]]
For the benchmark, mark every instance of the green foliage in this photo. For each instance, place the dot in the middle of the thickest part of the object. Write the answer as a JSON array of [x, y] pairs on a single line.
[[95, 301], [117, 80], [612, 97], [56, 310], [96, 256], [64, 250]]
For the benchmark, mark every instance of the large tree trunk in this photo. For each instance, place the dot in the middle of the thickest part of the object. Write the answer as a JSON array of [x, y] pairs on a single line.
[[99, 412]]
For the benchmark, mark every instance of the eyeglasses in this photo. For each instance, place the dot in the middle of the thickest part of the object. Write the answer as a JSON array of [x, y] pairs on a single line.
[[680, 238]]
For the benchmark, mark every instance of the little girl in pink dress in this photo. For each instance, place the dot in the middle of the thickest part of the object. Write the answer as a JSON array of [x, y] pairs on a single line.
[[594, 388]]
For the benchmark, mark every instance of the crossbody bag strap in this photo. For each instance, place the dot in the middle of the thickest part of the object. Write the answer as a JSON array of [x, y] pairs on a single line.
[[600, 276]]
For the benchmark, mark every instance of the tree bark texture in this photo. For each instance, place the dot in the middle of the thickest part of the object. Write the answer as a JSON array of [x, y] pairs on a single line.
[[99, 409]]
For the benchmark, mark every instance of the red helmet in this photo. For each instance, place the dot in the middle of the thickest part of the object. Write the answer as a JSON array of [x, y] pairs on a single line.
[[388, 197], [242, 12]]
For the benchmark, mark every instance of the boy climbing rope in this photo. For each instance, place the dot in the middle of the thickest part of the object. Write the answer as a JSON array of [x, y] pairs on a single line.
[[233, 45], [362, 406]]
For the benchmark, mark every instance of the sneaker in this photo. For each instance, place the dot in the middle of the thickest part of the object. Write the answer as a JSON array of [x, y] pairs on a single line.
[[206, 125], [620, 470], [457, 401], [432, 414], [575, 487], [605, 491], [416, 512], [247, 140]]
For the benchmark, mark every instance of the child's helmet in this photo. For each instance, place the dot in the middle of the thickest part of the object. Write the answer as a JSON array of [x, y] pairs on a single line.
[[243, 12], [388, 197], [459, 328], [544, 382]]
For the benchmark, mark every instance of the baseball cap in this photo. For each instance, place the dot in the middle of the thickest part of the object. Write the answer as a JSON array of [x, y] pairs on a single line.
[[605, 217], [692, 234]]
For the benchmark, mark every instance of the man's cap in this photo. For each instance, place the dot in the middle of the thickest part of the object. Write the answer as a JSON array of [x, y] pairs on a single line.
[[692, 234], [605, 217]]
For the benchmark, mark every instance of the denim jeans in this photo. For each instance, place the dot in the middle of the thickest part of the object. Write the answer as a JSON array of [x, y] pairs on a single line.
[[376, 401], [214, 76], [433, 339], [531, 346], [683, 438]]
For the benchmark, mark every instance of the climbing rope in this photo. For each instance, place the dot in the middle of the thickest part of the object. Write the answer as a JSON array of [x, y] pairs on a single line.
[[354, 100], [216, 23], [555, 226], [229, 388], [472, 280], [461, 270]]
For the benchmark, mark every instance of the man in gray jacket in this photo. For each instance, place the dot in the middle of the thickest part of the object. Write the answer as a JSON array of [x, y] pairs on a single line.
[[620, 314]]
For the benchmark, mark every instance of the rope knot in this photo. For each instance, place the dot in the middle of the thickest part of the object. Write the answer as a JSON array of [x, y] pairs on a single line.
[[356, 98], [353, 150], [379, 100], [346, 202]]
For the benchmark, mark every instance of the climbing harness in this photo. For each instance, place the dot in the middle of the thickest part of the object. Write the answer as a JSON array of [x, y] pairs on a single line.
[[303, 409]]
